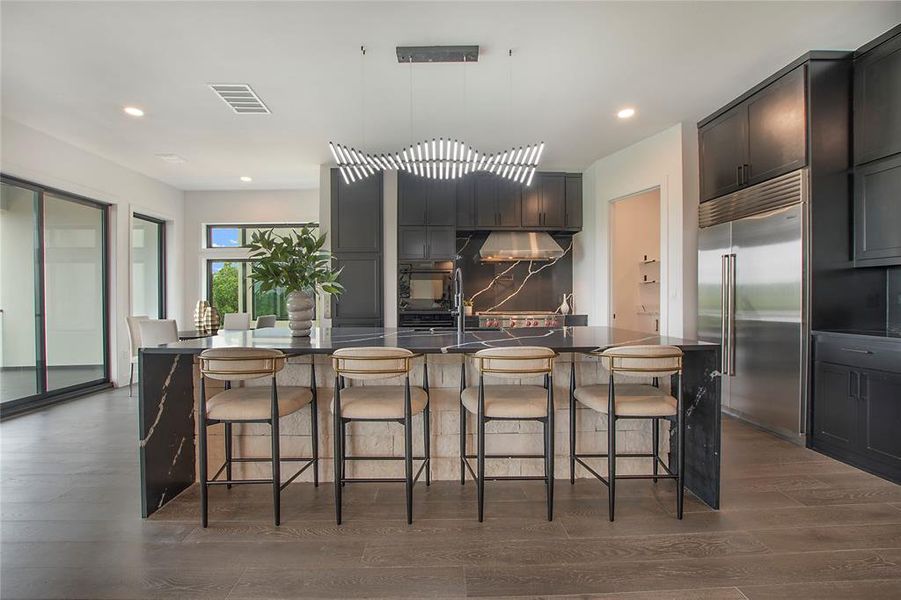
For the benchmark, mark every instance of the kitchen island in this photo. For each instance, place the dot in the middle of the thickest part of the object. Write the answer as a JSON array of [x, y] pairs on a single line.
[[168, 400]]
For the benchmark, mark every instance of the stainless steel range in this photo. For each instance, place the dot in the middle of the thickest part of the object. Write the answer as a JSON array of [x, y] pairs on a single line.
[[520, 319]]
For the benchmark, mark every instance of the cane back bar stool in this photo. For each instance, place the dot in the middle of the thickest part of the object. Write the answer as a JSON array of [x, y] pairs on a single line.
[[509, 403], [383, 403], [632, 401], [257, 404]]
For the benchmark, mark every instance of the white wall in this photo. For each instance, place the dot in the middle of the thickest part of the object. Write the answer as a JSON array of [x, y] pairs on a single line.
[[667, 160], [35, 156], [233, 207], [635, 238]]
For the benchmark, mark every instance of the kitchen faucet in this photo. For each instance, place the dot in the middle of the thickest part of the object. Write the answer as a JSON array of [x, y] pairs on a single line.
[[459, 311]]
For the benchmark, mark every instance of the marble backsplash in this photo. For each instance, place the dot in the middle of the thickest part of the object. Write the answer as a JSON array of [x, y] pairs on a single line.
[[515, 286]]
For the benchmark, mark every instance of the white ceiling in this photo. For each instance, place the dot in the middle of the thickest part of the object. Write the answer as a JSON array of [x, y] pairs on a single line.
[[68, 68]]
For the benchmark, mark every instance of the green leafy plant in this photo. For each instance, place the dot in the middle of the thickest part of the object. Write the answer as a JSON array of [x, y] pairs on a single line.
[[225, 288], [293, 262]]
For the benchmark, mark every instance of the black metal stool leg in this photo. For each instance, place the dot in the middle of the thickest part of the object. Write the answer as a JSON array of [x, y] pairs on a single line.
[[314, 423], [276, 461], [549, 457], [336, 456], [481, 458], [228, 454], [462, 424], [611, 448], [572, 421], [201, 443], [680, 420], [344, 424], [408, 451], [655, 437], [427, 444]]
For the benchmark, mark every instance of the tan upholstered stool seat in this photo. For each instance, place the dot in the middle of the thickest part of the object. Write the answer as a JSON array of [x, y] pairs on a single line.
[[508, 401], [256, 402], [632, 400], [379, 401]]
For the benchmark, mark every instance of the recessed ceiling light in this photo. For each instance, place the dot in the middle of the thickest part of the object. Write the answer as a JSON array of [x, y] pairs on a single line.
[[133, 111], [626, 113], [246, 179]]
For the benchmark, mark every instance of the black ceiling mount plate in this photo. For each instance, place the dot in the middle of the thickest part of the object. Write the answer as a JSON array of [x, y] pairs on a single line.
[[420, 54]]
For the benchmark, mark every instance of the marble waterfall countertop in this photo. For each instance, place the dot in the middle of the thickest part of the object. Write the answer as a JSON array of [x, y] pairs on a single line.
[[439, 340], [168, 401]]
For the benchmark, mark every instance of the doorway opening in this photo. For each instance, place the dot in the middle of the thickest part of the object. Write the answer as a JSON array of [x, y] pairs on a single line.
[[635, 261]]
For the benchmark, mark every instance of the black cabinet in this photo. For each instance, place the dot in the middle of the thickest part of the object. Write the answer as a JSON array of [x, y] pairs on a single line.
[[573, 202], [835, 414], [509, 204], [426, 243], [857, 401], [777, 125], [724, 151], [466, 203], [877, 102], [412, 200], [485, 189], [356, 243], [544, 202], [762, 137], [442, 203], [877, 212]]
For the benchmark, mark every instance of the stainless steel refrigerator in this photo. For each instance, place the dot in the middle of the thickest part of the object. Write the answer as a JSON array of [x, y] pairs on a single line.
[[752, 299]]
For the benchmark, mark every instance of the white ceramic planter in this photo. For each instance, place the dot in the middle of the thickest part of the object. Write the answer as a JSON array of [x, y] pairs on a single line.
[[300, 313]]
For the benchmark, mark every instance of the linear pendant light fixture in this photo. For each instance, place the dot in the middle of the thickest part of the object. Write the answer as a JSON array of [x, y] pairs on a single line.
[[439, 158]]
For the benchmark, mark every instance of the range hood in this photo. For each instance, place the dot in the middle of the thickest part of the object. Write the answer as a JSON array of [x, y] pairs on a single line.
[[506, 246]]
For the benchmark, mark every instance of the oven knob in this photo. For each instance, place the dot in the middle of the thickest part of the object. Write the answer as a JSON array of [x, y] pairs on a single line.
[[531, 323], [512, 322]]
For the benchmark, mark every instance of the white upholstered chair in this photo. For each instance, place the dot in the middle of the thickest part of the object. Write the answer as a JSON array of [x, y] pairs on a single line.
[[511, 402], [157, 331], [632, 401], [265, 321], [134, 342], [398, 403], [252, 404], [236, 321]]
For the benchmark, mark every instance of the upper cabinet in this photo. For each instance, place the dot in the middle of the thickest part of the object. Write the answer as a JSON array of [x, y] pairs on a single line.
[[482, 201], [762, 137], [877, 154], [877, 102]]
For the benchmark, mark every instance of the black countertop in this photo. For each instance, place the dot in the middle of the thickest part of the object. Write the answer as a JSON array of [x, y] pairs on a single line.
[[325, 340]]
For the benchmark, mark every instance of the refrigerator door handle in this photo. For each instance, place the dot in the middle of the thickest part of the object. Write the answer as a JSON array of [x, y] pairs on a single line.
[[724, 314], [731, 316]]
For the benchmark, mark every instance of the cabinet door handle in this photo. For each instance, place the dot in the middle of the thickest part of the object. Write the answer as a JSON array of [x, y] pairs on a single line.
[[738, 175], [857, 351]]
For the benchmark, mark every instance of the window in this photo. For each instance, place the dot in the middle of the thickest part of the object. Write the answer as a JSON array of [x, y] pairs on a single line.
[[148, 267], [54, 291], [239, 236], [230, 289]]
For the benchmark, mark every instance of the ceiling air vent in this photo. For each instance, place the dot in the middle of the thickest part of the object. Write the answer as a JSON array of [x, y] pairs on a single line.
[[242, 99]]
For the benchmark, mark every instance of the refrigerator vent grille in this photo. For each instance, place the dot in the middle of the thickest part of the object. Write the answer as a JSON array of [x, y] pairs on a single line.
[[763, 197]]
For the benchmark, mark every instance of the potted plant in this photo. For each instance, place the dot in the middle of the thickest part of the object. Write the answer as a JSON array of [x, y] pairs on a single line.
[[297, 264], [467, 308]]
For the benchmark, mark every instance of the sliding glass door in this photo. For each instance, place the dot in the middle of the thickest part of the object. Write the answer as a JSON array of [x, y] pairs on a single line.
[[53, 290], [20, 375], [148, 271]]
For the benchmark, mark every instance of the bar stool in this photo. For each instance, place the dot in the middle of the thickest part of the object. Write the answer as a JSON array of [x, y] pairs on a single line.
[[509, 403], [380, 403], [257, 404], [632, 401]]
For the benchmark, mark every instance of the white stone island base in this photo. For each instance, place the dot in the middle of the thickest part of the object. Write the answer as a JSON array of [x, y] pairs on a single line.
[[364, 438]]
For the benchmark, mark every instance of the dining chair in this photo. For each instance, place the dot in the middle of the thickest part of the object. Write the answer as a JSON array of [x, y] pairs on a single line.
[[236, 321], [633, 401], [155, 332], [265, 321], [134, 342]]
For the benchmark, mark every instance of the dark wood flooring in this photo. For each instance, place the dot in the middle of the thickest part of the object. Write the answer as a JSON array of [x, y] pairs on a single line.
[[794, 524]]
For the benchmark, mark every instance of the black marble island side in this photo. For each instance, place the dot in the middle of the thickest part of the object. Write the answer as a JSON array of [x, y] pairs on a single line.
[[166, 396]]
